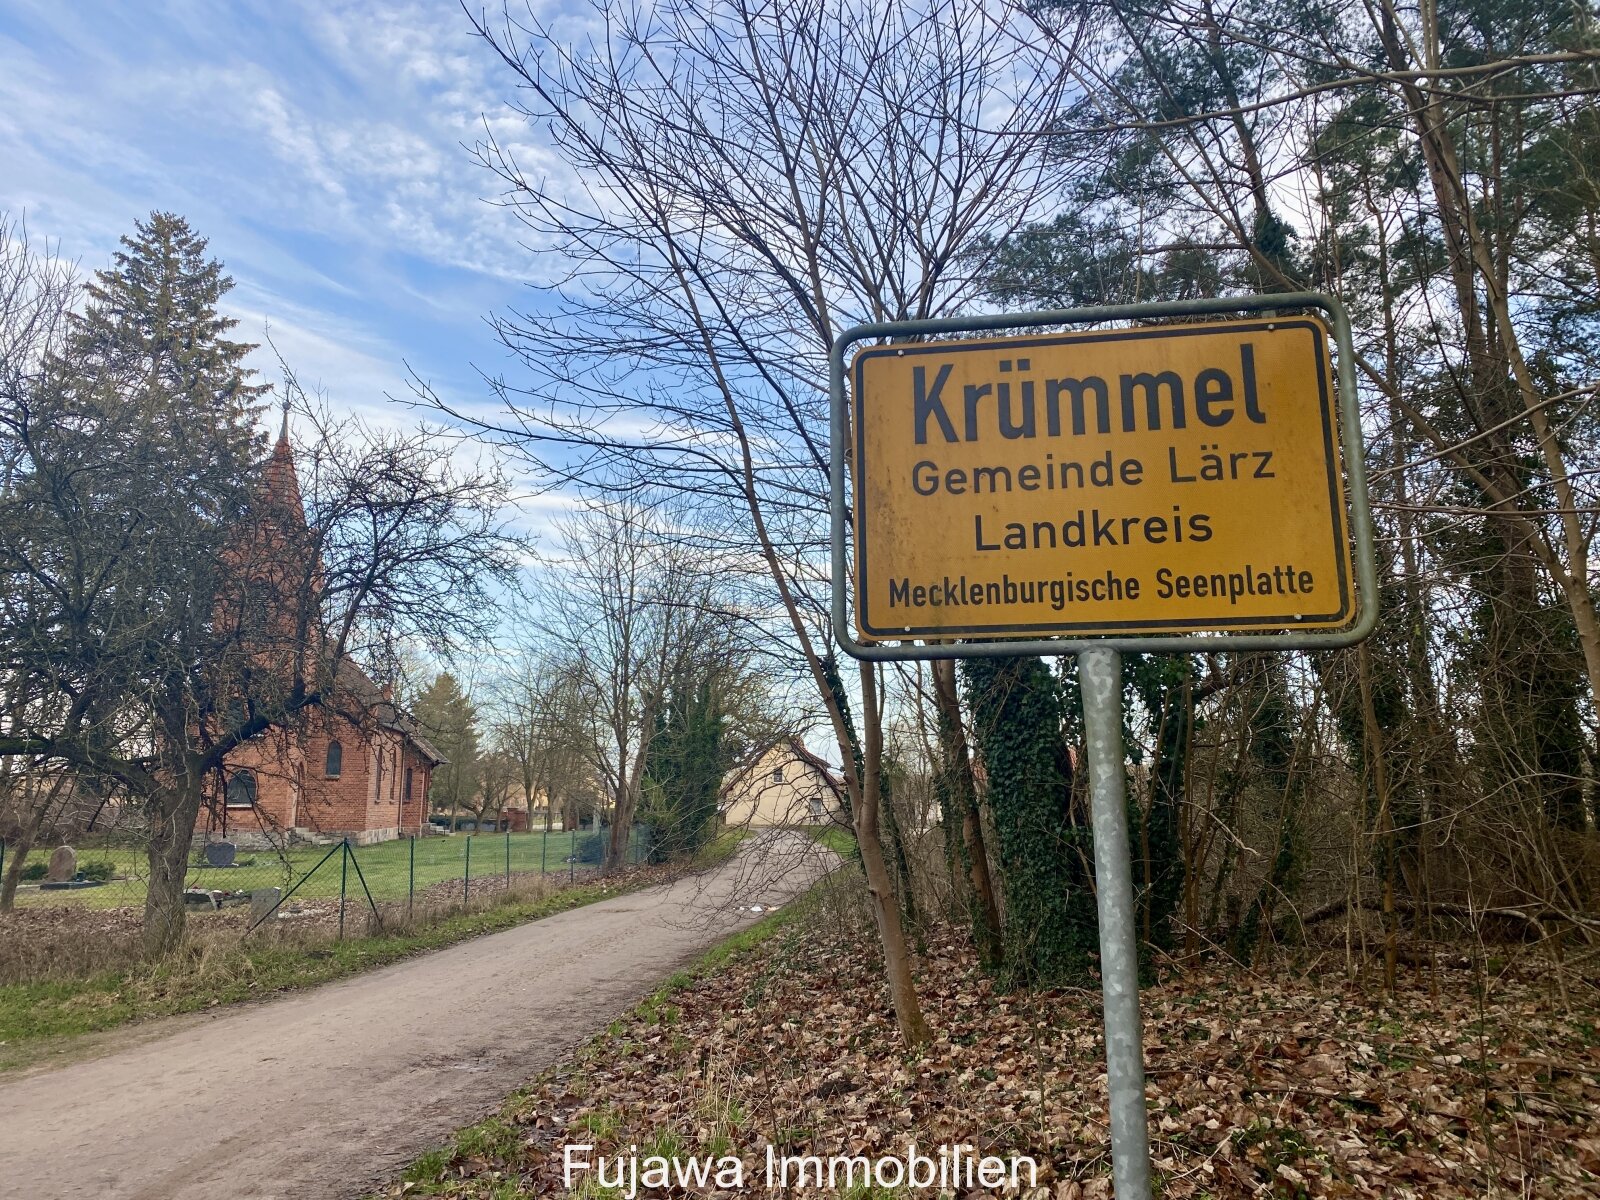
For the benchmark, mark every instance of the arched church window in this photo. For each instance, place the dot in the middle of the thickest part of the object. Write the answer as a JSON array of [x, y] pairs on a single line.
[[335, 760], [242, 789], [408, 783]]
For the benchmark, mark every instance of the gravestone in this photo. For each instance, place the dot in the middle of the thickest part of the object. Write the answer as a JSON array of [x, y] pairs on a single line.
[[220, 854], [262, 901], [63, 865]]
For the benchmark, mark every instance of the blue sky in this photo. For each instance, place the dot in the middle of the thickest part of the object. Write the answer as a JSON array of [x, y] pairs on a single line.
[[319, 146]]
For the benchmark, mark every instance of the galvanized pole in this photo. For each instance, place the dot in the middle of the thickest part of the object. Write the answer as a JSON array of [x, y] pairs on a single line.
[[411, 878], [544, 846], [1100, 676], [466, 875], [508, 856]]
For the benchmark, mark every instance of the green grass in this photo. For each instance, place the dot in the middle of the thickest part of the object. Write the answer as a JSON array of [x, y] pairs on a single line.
[[386, 867], [38, 1017], [836, 838], [35, 1017]]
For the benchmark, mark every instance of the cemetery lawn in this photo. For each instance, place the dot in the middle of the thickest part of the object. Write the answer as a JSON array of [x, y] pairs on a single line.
[[40, 1019], [390, 870]]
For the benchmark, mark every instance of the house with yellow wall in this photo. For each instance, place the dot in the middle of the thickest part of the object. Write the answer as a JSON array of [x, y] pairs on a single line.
[[785, 784]]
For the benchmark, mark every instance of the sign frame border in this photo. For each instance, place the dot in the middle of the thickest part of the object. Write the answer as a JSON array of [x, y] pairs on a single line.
[[1350, 439]]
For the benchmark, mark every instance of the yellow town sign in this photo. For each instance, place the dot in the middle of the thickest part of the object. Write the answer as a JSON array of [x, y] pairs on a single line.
[[1161, 479]]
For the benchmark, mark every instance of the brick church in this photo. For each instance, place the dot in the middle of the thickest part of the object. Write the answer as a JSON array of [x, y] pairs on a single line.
[[356, 766]]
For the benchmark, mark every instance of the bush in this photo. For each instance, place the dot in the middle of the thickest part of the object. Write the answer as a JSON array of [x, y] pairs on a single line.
[[101, 870], [34, 872]]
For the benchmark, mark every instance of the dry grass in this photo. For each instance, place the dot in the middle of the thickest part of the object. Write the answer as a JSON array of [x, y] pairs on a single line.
[[40, 945]]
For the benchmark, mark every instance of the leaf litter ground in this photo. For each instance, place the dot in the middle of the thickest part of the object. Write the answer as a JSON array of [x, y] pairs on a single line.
[[1261, 1084]]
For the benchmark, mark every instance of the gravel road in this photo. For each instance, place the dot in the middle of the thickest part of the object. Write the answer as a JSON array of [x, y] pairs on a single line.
[[328, 1093]]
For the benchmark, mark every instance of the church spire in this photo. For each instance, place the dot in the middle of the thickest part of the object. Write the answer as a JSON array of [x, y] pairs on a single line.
[[280, 485]]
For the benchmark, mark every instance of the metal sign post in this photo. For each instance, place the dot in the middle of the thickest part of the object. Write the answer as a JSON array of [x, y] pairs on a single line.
[[1100, 677], [1172, 488]]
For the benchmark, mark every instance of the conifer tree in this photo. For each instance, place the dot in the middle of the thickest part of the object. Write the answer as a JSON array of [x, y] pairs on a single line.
[[145, 457], [144, 613], [152, 321], [684, 768], [450, 719]]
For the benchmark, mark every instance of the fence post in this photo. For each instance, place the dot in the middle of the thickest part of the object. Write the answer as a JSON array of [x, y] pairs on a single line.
[[344, 871], [332, 850], [466, 875], [508, 857], [411, 878], [572, 858], [544, 848], [361, 878]]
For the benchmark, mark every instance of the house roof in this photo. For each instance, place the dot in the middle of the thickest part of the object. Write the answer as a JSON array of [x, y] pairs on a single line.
[[805, 756]]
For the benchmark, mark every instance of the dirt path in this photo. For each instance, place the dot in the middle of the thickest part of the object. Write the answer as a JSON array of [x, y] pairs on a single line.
[[328, 1093]]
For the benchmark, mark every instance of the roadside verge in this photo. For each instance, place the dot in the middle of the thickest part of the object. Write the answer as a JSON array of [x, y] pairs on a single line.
[[50, 1020]]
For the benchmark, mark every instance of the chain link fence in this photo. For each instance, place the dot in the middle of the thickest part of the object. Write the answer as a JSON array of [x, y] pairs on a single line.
[[316, 884]]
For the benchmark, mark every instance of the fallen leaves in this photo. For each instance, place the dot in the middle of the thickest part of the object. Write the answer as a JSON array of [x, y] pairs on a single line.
[[1293, 1087]]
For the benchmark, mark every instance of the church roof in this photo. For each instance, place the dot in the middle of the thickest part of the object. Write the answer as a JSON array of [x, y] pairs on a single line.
[[280, 491], [358, 685], [280, 484]]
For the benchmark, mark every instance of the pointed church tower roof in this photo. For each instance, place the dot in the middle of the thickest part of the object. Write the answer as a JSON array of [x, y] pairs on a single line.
[[282, 485]]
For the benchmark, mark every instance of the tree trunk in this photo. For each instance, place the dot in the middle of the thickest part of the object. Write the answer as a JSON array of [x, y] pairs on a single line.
[[1471, 263], [890, 821], [1387, 849], [38, 807], [1043, 848], [627, 801], [863, 810], [15, 861], [621, 825], [173, 812], [896, 961], [1276, 742], [961, 785]]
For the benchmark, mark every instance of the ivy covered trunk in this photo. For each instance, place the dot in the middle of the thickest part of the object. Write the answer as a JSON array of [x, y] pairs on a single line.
[[1273, 728], [1166, 688], [1045, 852], [963, 826]]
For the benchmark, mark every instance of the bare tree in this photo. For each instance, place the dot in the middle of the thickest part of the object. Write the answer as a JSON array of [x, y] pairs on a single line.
[[497, 785], [745, 180], [631, 605], [172, 593], [539, 720], [37, 290]]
